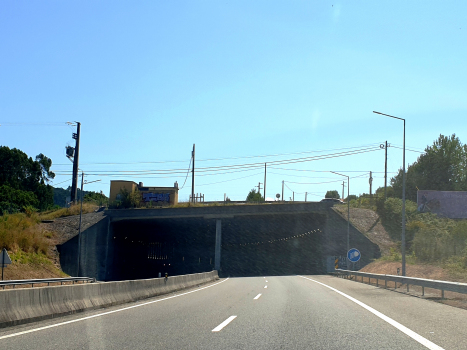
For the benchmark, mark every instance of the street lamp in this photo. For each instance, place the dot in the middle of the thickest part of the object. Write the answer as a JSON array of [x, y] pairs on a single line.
[[403, 195], [348, 213], [80, 215]]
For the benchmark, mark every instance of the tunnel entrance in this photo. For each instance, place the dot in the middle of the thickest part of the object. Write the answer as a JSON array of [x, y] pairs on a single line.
[[273, 245], [253, 245], [145, 248]]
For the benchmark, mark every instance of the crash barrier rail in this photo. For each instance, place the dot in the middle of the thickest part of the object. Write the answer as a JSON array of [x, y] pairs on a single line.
[[47, 280], [23, 305], [424, 283]]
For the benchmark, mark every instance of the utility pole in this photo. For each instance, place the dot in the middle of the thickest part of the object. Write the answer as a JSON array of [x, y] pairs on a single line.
[[305, 195], [80, 215], [385, 146], [385, 169], [293, 196], [371, 183], [74, 180], [193, 176], [343, 182], [282, 190], [79, 229], [264, 189], [259, 188]]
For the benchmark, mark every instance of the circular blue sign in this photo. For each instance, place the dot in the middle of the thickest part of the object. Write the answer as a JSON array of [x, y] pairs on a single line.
[[353, 255]]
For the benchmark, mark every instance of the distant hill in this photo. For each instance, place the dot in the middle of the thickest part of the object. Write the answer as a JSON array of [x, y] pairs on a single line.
[[61, 195]]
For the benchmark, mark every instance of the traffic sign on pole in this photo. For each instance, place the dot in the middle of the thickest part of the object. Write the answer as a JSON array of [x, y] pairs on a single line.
[[353, 255], [4, 260]]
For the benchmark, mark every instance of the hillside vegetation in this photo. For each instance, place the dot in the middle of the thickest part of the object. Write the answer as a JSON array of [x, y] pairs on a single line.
[[30, 246], [429, 239]]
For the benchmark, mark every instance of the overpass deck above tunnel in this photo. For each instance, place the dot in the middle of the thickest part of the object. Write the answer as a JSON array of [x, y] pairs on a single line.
[[220, 211]]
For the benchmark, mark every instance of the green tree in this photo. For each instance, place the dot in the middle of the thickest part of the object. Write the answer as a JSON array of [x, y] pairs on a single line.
[[96, 197], [128, 199], [45, 164], [254, 196], [21, 173], [332, 194], [12, 200], [442, 167], [389, 192]]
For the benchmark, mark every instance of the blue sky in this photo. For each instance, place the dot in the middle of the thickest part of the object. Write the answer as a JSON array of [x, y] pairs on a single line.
[[148, 79]]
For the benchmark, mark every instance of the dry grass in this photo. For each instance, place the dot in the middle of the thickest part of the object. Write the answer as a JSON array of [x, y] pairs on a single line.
[[29, 245], [20, 232], [73, 210]]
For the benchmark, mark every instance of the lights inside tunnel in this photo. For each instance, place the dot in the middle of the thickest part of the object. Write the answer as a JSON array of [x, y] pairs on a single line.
[[273, 240]]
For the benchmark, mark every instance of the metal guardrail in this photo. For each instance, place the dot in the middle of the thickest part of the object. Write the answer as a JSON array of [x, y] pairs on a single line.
[[424, 283], [32, 282]]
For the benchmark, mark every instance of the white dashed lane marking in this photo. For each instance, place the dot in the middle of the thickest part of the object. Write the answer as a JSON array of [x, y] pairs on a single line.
[[223, 324]]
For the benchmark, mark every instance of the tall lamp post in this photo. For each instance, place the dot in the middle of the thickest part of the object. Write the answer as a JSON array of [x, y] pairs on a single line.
[[348, 211], [403, 194]]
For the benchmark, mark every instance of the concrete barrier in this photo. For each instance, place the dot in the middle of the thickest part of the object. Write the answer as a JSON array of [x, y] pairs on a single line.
[[34, 304]]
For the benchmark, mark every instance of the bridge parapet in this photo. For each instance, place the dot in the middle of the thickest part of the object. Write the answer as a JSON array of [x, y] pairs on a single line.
[[220, 211]]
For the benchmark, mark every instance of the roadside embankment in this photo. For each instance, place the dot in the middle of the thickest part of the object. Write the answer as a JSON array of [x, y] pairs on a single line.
[[34, 304]]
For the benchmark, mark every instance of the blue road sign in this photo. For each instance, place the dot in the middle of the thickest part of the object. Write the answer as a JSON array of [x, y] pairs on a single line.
[[353, 255]]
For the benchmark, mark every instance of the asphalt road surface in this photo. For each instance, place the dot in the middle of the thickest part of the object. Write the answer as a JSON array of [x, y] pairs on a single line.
[[282, 312]]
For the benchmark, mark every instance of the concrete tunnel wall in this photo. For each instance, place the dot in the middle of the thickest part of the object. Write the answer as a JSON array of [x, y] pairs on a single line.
[[96, 246], [251, 246]]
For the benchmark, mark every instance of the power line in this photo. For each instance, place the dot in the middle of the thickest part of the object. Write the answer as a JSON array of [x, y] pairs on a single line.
[[244, 177], [327, 171], [163, 177], [188, 171], [34, 124], [241, 166], [407, 149], [226, 158], [305, 176], [62, 182]]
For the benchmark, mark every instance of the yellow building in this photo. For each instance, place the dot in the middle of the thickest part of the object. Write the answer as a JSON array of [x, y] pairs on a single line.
[[158, 195]]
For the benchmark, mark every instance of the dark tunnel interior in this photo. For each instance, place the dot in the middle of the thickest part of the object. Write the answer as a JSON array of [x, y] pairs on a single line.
[[257, 245]]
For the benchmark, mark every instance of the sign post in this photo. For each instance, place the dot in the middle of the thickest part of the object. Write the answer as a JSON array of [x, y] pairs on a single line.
[[5, 259]]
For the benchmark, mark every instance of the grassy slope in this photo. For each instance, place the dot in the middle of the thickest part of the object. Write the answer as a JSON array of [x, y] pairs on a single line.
[[368, 222], [31, 248]]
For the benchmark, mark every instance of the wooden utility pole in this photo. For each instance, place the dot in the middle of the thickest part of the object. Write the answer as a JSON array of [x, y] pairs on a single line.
[[79, 228], [305, 195], [193, 176], [343, 182], [264, 189], [371, 183], [74, 180], [259, 187]]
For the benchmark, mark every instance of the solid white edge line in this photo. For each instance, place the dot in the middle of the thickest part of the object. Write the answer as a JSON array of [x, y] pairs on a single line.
[[425, 342], [106, 313], [223, 324], [257, 297], [265, 286]]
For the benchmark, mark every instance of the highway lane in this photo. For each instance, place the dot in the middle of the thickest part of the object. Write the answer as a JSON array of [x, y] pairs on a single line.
[[239, 313]]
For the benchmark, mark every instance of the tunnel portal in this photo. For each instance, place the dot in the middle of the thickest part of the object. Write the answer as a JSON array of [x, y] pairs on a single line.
[[255, 245]]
